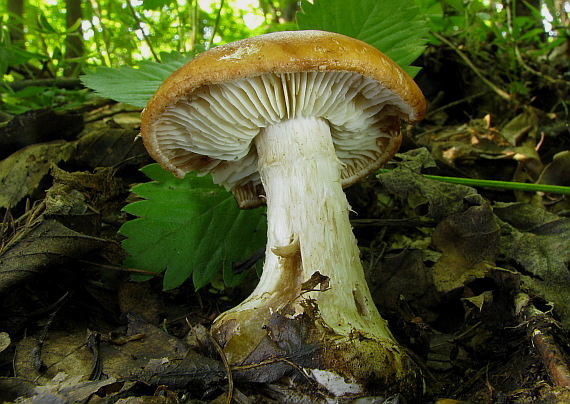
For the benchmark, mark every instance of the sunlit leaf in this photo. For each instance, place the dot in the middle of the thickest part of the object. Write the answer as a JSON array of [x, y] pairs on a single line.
[[11, 55], [45, 25], [155, 4], [456, 4], [397, 28], [189, 228], [133, 86]]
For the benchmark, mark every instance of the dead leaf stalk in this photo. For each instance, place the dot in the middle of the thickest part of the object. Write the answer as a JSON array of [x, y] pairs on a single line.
[[228, 368]]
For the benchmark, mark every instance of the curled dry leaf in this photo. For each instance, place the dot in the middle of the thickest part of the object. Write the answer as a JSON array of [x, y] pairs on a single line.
[[469, 243], [22, 172], [440, 199], [44, 246], [5, 341]]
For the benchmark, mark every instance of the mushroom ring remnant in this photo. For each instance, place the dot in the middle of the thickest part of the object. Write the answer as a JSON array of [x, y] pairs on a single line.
[[289, 119]]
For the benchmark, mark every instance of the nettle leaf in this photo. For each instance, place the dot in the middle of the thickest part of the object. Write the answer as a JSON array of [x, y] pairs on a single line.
[[189, 227], [134, 86], [396, 28]]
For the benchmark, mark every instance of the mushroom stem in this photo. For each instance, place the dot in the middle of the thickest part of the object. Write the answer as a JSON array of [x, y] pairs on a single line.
[[308, 210], [312, 265]]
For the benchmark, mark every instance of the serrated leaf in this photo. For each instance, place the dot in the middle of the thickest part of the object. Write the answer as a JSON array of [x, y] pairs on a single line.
[[189, 227], [396, 28], [133, 86], [457, 5], [155, 4]]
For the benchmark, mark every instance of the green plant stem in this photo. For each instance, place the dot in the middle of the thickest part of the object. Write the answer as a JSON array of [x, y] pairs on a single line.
[[141, 29], [507, 185], [194, 20], [101, 34], [216, 23], [503, 94]]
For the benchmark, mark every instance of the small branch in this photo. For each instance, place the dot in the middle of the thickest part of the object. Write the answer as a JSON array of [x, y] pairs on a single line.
[[536, 72], [552, 357], [360, 223], [123, 269], [454, 103], [194, 18], [139, 24], [218, 15], [228, 368], [503, 94], [68, 83], [541, 329], [37, 350]]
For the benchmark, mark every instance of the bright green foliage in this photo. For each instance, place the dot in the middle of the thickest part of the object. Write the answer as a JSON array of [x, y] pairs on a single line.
[[11, 55], [192, 227], [130, 85], [497, 34], [394, 27], [189, 227]]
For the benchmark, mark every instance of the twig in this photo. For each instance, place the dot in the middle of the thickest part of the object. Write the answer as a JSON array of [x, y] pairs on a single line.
[[68, 83], [139, 24], [412, 222], [123, 269], [102, 29], [39, 365], [194, 18], [96, 366], [454, 103], [541, 325], [503, 94], [552, 357], [240, 266], [228, 368], [517, 52], [216, 23], [552, 80], [12, 230], [272, 361]]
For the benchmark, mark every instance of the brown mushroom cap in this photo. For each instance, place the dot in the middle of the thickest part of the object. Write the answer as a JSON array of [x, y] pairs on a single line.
[[206, 114]]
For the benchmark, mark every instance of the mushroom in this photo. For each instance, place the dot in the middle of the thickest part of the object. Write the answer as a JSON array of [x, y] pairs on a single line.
[[288, 119]]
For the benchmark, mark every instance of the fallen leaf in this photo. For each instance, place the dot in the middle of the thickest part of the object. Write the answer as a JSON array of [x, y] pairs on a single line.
[[67, 389], [42, 247], [469, 244], [5, 341], [111, 147], [22, 172], [441, 199], [404, 274], [539, 243], [558, 171]]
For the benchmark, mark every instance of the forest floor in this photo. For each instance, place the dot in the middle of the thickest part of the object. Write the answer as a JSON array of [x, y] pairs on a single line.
[[474, 282]]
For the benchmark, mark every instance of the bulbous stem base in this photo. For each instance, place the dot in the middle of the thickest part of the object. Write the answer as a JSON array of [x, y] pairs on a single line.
[[312, 302]]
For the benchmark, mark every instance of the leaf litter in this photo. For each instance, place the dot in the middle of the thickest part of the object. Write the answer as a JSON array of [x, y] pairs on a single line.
[[474, 251], [474, 283]]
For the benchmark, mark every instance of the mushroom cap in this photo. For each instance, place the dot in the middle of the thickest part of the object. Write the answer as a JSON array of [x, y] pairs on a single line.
[[206, 114]]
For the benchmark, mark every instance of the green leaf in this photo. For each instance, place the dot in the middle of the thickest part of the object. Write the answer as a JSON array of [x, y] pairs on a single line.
[[189, 227], [11, 55], [396, 28], [457, 5], [155, 4], [45, 26], [133, 86]]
